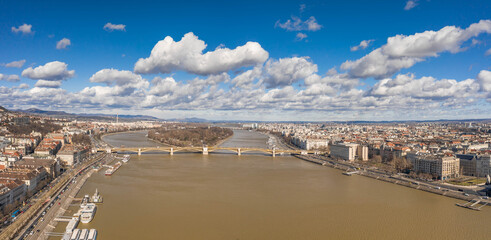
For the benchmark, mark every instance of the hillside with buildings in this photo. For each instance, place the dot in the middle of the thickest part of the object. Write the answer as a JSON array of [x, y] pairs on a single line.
[[35, 149]]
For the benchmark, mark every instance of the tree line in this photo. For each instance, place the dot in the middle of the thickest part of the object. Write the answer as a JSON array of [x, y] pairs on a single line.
[[190, 137], [81, 139], [26, 129]]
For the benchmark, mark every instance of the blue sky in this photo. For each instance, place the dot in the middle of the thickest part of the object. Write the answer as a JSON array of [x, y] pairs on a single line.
[[278, 91]]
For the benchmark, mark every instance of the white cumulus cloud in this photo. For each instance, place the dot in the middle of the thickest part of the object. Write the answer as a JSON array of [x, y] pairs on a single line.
[[47, 84], [111, 27], [63, 43], [23, 86], [118, 78], [411, 4], [425, 87], [52, 71], [24, 29], [363, 44], [301, 36], [9, 78], [297, 24], [404, 51], [484, 79], [287, 71], [16, 64], [187, 55], [13, 78]]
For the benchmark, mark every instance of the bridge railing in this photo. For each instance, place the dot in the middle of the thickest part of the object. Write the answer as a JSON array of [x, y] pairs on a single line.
[[212, 149]]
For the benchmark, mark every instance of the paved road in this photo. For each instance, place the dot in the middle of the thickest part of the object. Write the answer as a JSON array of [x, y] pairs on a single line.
[[435, 187], [43, 222]]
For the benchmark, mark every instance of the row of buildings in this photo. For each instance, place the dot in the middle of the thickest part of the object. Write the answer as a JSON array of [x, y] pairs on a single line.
[[31, 159], [445, 150]]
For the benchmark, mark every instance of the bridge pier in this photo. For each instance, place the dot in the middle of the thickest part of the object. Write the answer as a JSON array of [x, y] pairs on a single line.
[[205, 150], [139, 151], [274, 152], [171, 151], [238, 151]]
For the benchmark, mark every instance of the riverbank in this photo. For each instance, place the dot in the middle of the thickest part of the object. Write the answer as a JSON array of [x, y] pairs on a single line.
[[114, 133], [391, 179], [65, 205], [37, 218], [223, 140]]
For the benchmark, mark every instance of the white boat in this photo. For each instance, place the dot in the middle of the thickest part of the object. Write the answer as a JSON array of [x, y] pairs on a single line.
[[83, 234], [86, 199], [96, 198], [87, 212], [92, 234], [112, 169], [75, 234], [126, 158]]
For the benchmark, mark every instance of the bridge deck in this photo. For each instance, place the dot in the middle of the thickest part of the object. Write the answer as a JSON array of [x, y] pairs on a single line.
[[209, 149]]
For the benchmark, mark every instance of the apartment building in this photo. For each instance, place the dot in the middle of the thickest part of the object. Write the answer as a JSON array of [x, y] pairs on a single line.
[[346, 151], [442, 167]]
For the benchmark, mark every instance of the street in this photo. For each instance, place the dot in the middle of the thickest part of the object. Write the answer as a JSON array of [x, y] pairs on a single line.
[[43, 222]]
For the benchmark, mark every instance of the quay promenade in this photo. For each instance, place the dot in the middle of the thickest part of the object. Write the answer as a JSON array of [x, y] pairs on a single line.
[[439, 189], [31, 220]]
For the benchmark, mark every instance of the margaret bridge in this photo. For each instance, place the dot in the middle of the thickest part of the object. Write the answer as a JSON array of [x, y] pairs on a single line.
[[205, 150]]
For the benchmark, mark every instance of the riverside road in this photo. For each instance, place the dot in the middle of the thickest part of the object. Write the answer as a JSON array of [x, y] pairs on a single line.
[[41, 225]]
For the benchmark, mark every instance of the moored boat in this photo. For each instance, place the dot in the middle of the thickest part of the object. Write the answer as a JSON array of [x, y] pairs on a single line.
[[113, 169], [87, 212], [96, 198]]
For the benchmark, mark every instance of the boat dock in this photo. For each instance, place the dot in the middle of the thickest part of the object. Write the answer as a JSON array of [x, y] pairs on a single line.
[[63, 219], [350, 173], [71, 230], [474, 204]]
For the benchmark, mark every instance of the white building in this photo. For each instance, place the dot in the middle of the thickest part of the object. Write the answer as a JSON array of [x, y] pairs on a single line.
[[443, 167], [363, 153], [310, 143], [479, 146], [316, 143], [346, 151]]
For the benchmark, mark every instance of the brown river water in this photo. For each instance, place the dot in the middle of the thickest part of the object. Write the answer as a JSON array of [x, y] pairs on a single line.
[[224, 196]]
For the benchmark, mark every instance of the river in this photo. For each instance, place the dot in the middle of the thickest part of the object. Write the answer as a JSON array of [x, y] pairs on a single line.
[[224, 196]]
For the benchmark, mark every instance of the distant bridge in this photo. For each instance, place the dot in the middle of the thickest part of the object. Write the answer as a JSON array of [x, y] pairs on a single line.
[[204, 150]]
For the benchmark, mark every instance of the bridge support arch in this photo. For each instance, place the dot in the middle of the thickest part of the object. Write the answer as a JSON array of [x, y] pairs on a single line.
[[205, 150]]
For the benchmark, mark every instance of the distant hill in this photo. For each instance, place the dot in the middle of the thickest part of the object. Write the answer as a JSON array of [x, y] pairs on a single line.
[[190, 120], [112, 117], [101, 116], [39, 111], [84, 116]]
